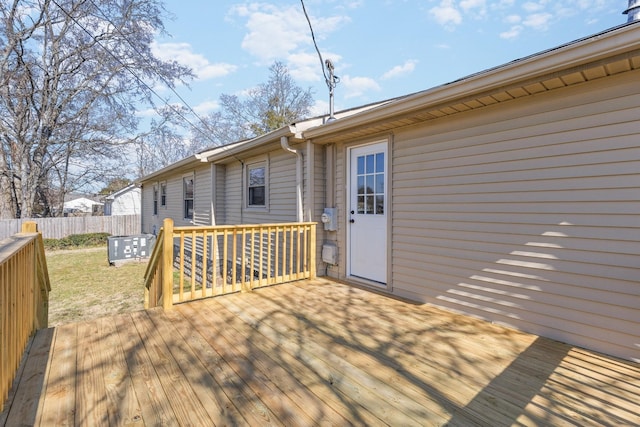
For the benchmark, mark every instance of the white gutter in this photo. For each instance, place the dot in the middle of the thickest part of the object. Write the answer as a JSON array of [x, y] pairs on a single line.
[[284, 142]]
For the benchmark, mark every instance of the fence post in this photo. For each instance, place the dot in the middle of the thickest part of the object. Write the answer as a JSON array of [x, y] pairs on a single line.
[[29, 227], [167, 264]]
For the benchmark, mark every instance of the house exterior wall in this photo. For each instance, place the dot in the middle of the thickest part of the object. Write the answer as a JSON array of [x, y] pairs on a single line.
[[524, 214], [220, 197], [202, 195], [315, 197], [174, 207], [281, 184], [147, 220]]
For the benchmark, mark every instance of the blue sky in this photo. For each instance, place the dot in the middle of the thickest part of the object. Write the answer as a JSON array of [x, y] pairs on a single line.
[[380, 49]]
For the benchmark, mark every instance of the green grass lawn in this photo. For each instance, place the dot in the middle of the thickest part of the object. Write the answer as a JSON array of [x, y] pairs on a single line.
[[84, 286]]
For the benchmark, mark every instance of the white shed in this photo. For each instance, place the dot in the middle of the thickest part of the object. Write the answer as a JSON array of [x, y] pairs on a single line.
[[123, 202]]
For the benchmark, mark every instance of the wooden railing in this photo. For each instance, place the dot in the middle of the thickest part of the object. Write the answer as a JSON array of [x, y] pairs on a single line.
[[189, 263], [24, 299]]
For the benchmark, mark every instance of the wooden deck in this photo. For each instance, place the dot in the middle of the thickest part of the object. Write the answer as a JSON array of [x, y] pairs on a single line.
[[314, 353]]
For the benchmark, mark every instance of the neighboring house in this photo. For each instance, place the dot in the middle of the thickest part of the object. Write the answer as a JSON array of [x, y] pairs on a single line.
[[81, 206], [123, 202], [512, 195]]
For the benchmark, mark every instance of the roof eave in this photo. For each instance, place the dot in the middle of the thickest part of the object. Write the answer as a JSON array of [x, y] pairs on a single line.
[[610, 43], [234, 151]]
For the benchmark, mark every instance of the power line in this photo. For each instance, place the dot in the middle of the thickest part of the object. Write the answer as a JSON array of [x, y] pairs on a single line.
[[333, 80], [142, 82]]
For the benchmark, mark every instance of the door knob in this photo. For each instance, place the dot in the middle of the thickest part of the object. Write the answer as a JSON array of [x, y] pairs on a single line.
[[352, 221]]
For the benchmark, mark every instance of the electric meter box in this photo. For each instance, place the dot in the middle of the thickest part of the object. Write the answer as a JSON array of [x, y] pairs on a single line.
[[329, 219], [122, 248]]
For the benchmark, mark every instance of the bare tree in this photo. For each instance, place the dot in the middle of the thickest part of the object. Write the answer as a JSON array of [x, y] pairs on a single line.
[[73, 74], [166, 142], [267, 107]]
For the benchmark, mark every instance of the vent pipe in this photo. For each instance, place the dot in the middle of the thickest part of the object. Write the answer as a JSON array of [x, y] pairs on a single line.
[[633, 11]]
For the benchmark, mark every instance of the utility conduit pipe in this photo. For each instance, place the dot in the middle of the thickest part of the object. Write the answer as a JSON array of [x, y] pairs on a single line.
[[284, 142]]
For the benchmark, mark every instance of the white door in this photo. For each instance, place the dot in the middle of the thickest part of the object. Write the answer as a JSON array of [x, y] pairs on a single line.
[[367, 212]]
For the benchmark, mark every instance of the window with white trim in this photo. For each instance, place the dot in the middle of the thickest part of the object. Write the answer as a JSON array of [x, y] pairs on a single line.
[[187, 185], [257, 185]]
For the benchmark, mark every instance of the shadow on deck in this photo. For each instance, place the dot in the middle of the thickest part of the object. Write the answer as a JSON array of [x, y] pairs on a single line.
[[314, 352]]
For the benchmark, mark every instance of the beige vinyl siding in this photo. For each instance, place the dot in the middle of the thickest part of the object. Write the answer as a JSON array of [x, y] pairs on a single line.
[[315, 191], [233, 193], [281, 197], [339, 270], [527, 214], [318, 186], [175, 201], [220, 201], [147, 218], [202, 195], [282, 188]]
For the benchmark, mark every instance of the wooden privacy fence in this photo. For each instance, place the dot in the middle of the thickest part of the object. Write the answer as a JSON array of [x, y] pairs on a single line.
[[24, 299], [189, 263], [58, 228]]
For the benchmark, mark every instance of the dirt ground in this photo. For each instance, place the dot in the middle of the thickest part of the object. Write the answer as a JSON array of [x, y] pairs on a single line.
[[84, 286]]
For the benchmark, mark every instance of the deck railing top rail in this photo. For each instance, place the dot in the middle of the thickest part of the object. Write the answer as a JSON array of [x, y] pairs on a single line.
[[194, 262]]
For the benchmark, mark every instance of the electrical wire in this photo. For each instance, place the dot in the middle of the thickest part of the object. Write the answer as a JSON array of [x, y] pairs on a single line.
[[331, 83], [139, 79]]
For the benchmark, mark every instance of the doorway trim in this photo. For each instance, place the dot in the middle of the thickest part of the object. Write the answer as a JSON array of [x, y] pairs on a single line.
[[387, 141]]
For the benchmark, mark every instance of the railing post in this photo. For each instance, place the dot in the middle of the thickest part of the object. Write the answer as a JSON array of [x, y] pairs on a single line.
[[167, 265], [29, 227], [312, 252]]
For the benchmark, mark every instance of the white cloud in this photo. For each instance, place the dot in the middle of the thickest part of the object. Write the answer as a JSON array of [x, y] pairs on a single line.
[[148, 112], [513, 32], [305, 66], [206, 107], [513, 19], [502, 4], [446, 14], [467, 5], [532, 7], [183, 54], [538, 21], [358, 86], [399, 70], [320, 107], [277, 33]]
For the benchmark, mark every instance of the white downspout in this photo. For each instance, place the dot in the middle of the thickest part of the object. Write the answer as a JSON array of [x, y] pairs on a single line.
[[284, 142]]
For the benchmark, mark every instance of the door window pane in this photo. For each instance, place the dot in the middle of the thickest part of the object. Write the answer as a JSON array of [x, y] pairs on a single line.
[[380, 205], [370, 186], [380, 162], [369, 207], [380, 183], [360, 165], [370, 179], [370, 164]]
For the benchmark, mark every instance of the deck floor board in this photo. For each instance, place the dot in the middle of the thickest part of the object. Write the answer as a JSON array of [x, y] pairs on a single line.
[[314, 352]]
